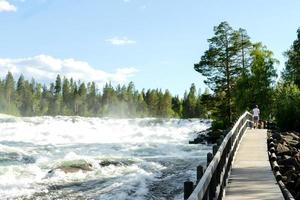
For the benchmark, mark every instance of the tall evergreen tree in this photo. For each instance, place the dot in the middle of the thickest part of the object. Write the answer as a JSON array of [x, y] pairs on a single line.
[[177, 106], [9, 88], [82, 92], [66, 97], [165, 105], [92, 103], [190, 103], [219, 65]]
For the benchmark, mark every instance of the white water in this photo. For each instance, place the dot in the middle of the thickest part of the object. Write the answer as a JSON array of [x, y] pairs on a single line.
[[140, 158]]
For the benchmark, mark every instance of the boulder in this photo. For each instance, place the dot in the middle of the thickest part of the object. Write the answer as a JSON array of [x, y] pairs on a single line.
[[73, 166], [106, 163], [290, 140], [282, 149], [295, 136]]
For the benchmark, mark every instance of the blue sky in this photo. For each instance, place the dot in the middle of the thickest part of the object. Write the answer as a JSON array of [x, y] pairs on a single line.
[[153, 43]]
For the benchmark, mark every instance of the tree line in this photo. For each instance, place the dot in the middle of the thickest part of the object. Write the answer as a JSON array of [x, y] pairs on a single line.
[[68, 97], [242, 74]]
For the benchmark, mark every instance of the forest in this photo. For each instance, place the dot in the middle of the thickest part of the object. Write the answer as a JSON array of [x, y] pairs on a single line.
[[240, 73], [69, 97]]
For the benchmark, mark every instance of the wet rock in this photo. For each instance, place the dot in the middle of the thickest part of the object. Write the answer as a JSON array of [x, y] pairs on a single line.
[[203, 137], [73, 166], [200, 139], [106, 163]]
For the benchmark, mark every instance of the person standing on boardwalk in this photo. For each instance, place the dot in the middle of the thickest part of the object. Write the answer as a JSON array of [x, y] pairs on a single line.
[[256, 113]]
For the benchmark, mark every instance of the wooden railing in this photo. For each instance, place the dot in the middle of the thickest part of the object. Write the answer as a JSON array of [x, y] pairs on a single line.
[[212, 181]]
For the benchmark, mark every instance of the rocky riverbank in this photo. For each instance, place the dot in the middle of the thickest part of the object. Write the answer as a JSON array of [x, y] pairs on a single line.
[[287, 149], [210, 136]]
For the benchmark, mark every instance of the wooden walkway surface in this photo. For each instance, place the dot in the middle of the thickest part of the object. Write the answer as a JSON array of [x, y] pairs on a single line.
[[251, 176]]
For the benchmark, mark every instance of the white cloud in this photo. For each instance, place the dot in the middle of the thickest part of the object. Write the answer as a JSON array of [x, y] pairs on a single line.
[[120, 41], [5, 6], [45, 68]]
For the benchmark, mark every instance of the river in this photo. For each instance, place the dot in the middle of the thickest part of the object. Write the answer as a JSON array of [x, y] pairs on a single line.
[[98, 158]]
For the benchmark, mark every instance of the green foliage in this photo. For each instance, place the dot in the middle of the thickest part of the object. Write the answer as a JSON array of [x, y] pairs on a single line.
[[287, 106], [287, 93], [292, 65], [66, 97], [254, 87], [177, 106], [240, 73], [223, 62], [189, 103]]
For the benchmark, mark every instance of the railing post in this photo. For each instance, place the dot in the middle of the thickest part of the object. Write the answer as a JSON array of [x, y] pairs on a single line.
[[212, 188], [188, 189], [215, 149], [205, 197], [200, 172], [209, 158], [213, 182]]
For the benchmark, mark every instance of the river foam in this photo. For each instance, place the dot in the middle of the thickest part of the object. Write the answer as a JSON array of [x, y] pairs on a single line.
[[97, 158]]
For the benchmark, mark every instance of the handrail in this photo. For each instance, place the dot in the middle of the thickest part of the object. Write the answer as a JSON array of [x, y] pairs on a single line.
[[212, 183]]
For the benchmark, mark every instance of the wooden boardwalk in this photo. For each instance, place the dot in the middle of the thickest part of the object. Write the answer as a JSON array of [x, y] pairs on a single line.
[[251, 176]]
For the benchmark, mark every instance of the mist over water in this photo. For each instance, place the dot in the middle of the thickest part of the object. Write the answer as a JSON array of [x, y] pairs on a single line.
[[98, 158]]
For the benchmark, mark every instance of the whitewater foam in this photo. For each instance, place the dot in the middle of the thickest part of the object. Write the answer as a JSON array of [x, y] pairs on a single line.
[[138, 155]]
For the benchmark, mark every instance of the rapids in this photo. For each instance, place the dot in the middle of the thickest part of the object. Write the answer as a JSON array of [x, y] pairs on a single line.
[[98, 158]]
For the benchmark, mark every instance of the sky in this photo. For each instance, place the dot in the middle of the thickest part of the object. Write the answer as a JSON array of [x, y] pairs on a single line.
[[153, 43]]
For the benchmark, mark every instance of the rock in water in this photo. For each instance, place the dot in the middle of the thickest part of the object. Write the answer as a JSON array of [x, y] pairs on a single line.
[[106, 163], [73, 166]]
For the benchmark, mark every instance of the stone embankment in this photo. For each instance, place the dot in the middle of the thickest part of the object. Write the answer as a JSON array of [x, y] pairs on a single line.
[[285, 149]]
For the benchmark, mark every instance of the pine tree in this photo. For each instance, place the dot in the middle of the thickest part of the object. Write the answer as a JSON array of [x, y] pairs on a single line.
[[220, 66], [177, 106], [57, 96], [82, 92], [189, 103], [92, 104], [165, 105], [9, 89]]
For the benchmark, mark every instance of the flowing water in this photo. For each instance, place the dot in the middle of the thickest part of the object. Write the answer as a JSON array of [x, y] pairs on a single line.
[[98, 158]]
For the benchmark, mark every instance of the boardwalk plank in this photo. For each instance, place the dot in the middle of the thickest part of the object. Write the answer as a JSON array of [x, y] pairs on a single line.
[[251, 176]]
